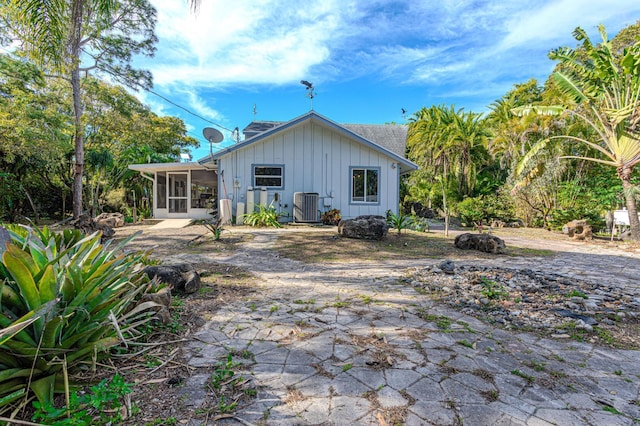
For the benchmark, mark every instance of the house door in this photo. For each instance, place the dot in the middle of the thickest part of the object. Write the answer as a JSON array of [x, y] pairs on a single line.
[[177, 192]]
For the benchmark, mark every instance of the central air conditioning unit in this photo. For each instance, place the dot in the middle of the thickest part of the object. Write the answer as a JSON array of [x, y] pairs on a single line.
[[305, 206]]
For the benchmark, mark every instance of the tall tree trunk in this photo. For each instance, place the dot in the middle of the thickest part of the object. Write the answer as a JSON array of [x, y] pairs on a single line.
[[624, 173], [78, 139], [33, 206]]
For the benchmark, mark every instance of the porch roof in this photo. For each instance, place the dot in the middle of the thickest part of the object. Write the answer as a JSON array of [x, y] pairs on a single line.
[[168, 167]]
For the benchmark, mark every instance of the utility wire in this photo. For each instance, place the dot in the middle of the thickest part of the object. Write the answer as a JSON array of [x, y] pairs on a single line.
[[106, 68], [185, 109]]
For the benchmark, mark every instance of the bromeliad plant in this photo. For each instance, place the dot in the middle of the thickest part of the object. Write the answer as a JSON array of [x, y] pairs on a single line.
[[66, 300]]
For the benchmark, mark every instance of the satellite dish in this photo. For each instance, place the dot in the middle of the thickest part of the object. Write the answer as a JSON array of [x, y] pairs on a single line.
[[212, 135]]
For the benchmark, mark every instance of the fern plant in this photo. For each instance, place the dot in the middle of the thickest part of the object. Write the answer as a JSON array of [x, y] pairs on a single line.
[[66, 300]]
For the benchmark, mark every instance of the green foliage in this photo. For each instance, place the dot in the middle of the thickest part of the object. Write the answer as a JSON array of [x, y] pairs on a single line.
[[100, 406], [331, 217], [484, 208], [472, 211], [419, 224], [450, 146], [77, 296], [214, 226], [559, 217], [10, 194], [527, 377], [492, 290], [264, 216], [398, 221]]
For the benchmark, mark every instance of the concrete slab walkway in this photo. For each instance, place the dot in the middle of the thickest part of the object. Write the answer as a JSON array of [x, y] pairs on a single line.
[[171, 224], [348, 344]]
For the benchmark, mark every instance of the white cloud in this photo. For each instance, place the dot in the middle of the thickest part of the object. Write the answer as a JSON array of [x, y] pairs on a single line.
[[476, 45], [555, 21], [242, 41], [198, 105]]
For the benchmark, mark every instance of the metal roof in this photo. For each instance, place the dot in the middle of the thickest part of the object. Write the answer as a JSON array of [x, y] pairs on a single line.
[[390, 136], [390, 139]]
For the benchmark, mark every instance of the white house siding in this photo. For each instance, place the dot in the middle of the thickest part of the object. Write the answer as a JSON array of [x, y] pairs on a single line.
[[316, 158]]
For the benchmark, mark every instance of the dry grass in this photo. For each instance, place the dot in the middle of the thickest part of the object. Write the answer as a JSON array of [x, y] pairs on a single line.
[[328, 246]]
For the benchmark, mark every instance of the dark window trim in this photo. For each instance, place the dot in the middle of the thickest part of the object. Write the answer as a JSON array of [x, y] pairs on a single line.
[[253, 176]]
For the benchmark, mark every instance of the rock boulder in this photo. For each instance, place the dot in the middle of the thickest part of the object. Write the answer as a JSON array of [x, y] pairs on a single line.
[[482, 242], [89, 226], [364, 227], [578, 230], [181, 277], [162, 299], [113, 220]]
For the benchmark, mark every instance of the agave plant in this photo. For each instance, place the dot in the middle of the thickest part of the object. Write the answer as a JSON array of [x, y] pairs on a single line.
[[65, 300]]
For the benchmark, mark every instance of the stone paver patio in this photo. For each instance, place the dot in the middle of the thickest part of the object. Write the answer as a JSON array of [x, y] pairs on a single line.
[[343, 344]]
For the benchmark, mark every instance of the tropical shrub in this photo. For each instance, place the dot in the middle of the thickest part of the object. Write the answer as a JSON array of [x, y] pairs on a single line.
[[398, 221], [331, 217], [66, 300], [484, 208], [264, 216], [419, 224], [472, 211]]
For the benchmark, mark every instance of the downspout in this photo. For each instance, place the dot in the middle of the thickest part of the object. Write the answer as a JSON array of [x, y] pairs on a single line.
[[398, 190]]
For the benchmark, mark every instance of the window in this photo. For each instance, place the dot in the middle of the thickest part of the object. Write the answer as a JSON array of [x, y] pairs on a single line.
[[203, 184], [161, 194], [269, 176], [365, 185]]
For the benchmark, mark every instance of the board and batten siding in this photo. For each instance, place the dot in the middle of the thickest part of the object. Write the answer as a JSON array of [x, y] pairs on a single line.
[[316, 158]]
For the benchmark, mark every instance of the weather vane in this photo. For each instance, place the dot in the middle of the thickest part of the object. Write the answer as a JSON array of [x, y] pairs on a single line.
[[310, 91]]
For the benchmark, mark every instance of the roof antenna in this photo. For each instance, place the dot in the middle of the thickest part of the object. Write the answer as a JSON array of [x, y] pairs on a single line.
[[310, 91], [255, 110]]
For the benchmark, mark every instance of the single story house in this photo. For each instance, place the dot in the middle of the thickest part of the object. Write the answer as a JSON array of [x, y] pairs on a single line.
[[301, 167]]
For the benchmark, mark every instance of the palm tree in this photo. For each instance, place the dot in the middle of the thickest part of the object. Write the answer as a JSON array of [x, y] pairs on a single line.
[[468, 147], [450, 144], [606, 91]]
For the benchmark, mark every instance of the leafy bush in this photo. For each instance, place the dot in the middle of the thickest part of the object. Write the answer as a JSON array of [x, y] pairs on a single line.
[[484, 208], [472, 211], [101, 405], [10, 193], [560, 217], [419, 224], [331, 217], [264, 216], [66, 300], [398, 221]]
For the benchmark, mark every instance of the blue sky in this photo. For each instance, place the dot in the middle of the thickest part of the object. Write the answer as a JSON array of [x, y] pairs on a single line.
[[367, 59]]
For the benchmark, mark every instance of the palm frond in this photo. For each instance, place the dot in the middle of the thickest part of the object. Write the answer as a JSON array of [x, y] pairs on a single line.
[[525, 162], [569, 87], [537, 109]]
